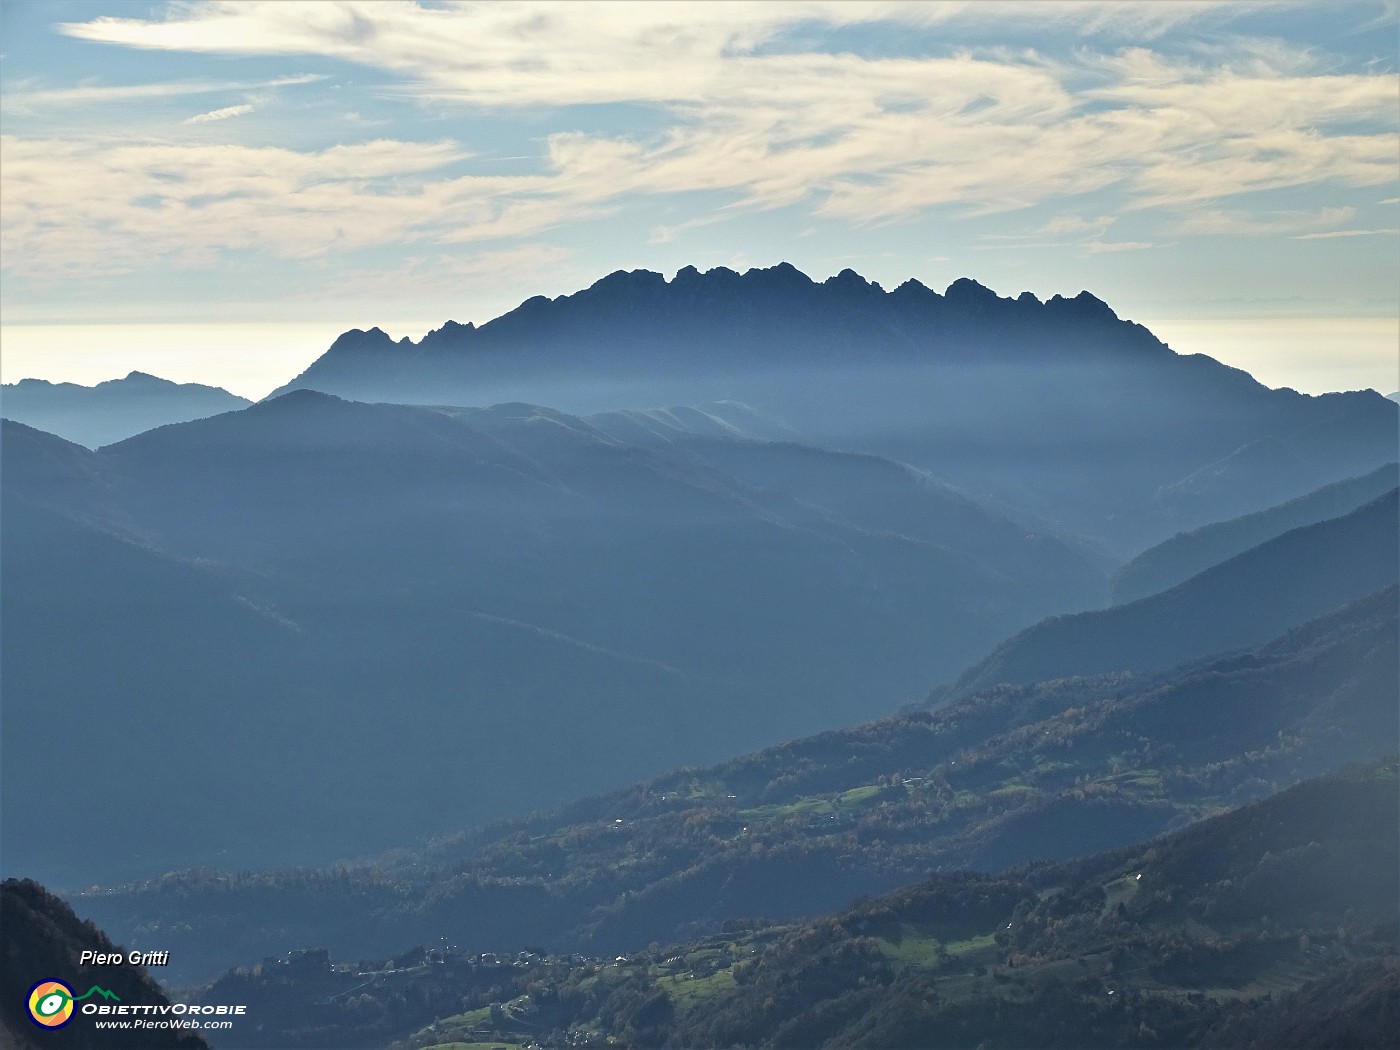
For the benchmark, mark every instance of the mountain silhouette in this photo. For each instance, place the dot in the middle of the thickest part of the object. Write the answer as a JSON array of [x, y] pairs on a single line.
[[1280, 583], [113, 410], [1058, 407]]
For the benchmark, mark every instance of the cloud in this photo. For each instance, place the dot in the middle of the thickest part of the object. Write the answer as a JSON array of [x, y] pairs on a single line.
[[95, 94], [220, 114], [1073, 224], [443, 274], [744, 111], [187, 204], [1095, 246], [1261, 224], [662, 234], [1342, 233]]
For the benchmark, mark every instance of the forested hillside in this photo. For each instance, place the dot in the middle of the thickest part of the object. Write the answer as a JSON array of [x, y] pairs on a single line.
[[1053, 770]]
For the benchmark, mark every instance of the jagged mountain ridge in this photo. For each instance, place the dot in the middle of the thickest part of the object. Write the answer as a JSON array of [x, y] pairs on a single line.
[[806, 322], [1058, 407], [110, 411]]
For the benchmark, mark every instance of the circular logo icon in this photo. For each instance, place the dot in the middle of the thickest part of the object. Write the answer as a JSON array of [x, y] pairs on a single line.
[[51, 1004]]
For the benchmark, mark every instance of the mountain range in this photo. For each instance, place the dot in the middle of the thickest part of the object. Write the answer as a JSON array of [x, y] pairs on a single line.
[[513, 598], [1242, 601], [1187, 553], [1057, 407], [930, 598], [114, 410], [1271, 925], [1053, 770], [1200, 938]]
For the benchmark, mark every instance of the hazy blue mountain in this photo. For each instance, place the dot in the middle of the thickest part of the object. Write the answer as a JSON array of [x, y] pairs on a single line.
[[432, 617], [1242, 481], [1048, 771], [1187, 553], [1059, 407], [99, 415], [1243, 601]]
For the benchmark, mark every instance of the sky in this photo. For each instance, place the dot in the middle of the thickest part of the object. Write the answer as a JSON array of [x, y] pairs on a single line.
[[212, 191]]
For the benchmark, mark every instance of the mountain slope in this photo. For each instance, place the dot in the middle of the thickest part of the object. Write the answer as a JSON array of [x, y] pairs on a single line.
[[1222, 934], [41, 939], [1282, 582], [1187, 941], [1188, 553], [99, 415], [1058, 407], [507, 604], [1052, 770]]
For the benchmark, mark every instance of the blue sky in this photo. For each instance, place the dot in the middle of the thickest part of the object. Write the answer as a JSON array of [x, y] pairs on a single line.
[[212, 191]]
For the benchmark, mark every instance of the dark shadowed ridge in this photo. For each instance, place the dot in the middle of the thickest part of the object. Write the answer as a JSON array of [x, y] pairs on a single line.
[[697, 321], [41, 939], [112, 410], [1289, 579]]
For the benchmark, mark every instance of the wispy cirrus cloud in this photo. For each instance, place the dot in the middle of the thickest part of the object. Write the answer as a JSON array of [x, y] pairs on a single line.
[[220, 114], [30, 99], [744, 111], [1345, 233], [1262, 223], [186, 204]]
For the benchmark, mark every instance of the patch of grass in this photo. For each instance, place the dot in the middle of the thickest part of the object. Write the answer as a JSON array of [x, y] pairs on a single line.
[[980, 944], [857, 795], [466, 1020], [687, 992], [1012, 790], [910, 949], [856, 799], [1119, 890]]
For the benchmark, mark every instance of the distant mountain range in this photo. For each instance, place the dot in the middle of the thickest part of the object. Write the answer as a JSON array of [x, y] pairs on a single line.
[[1243, 601], [1057, 407], [516, 604], [417, 620], [119, 408], [1187, 553]]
